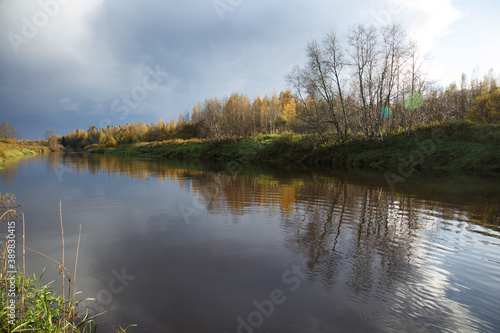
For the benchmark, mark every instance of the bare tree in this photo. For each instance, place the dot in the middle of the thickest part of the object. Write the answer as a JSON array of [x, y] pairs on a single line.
[[211, 118], [319, 87], [363, 52], [378, 65], [388, 72], [417, 83], [8, 131], [310, 109], [320, 82], [48, 134], [393, 54], [336, 63]]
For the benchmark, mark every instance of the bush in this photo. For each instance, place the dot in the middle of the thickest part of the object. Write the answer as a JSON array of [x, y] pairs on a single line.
[[9, 141], [95, 145], [110, 142]]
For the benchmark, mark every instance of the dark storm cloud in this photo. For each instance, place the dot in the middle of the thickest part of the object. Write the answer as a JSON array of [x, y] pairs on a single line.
[[191, 42], [83, 66], [249, 50]]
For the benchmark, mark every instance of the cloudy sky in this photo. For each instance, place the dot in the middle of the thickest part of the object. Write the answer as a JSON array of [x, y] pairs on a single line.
[[68, 64]]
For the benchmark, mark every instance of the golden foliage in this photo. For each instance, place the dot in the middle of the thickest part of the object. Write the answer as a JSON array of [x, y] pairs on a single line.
[[486, 108]]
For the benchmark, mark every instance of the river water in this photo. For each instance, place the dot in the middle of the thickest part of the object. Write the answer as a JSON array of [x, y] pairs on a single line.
[[196, 247]]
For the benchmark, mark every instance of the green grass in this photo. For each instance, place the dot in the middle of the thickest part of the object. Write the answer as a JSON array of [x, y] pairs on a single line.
[[43, 310], [28, 305], [12, 151], [451, 146]]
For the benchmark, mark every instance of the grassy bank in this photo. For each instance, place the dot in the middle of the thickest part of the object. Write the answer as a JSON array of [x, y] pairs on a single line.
[[452, 146], [13, 151], [26, 304]]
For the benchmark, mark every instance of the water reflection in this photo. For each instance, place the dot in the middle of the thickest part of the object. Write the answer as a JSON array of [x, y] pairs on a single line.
[[10, 169], [375, 260], [473, 199]]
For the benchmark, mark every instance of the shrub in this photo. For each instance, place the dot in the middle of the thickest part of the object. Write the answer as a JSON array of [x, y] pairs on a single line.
[[95, 145], [110, 142]]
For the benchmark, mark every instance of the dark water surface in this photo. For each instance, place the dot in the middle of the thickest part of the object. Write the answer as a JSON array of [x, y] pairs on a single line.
[[176, 247]]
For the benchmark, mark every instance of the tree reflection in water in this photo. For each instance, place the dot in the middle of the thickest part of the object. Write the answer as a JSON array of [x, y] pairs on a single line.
[[364, 244]]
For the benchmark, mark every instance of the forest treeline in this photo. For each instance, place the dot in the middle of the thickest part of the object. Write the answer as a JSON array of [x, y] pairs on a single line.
[[370, 83]]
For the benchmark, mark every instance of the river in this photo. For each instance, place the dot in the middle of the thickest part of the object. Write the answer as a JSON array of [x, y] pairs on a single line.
[[196, 247]]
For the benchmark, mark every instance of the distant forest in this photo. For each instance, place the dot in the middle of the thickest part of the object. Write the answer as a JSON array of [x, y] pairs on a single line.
[[368, 84]]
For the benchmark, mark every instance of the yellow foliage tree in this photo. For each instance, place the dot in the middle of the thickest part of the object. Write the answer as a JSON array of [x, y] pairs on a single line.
[[237, 116], [486, 108], [196, 114], [288, 104], [257, 106], [110, 142]]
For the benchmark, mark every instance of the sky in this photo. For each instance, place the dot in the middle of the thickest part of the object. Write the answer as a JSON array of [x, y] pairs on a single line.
[[69, 64]]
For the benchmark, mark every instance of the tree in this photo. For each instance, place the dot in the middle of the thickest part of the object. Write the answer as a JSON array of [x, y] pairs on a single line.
[[237, 117], [363, 53], [486, 108], [288, 104], [310, 108], [53, 143], [211, 117], [196, 115], [319, 87], [52, 140], [110, 142], [321, 84], [8, 131], [256, 119], [417, 83], [48, 134], [366, 84], [335, 61]]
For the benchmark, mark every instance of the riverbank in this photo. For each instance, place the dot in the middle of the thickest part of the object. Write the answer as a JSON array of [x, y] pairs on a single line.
[[13, 151], [451, 146], [26, 303]]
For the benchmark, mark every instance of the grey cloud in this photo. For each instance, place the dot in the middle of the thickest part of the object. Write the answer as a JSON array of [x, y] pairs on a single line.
[[70, 78]]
